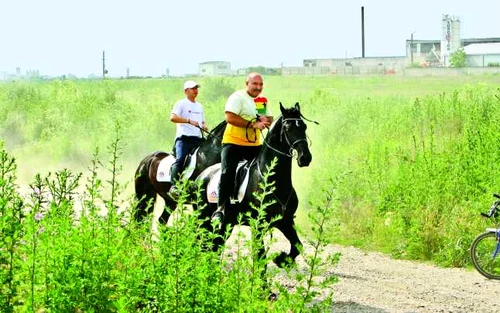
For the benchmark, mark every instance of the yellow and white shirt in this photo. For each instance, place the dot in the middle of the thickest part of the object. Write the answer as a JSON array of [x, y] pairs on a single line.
[[242, 104]]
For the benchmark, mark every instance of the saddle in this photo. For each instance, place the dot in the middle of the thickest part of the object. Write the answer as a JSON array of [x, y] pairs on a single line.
[[240, 183], [163, 172]]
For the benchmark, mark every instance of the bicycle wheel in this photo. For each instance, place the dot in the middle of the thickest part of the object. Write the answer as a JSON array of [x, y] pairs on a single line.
[[482, 255]]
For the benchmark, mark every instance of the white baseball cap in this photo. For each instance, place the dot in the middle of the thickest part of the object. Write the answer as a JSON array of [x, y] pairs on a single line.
[[190, 84]]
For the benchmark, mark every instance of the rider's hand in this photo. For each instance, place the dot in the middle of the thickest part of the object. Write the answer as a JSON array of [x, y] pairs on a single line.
[[266, 119], [261, 124]]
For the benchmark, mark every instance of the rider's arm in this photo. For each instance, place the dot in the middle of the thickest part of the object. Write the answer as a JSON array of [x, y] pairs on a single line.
[[177, 119]]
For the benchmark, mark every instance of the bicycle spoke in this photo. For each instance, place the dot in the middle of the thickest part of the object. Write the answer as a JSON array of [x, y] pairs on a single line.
[[484, 254]]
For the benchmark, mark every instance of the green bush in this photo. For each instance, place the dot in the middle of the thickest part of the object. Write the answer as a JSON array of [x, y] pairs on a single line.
[[62, 251], [457, 58]]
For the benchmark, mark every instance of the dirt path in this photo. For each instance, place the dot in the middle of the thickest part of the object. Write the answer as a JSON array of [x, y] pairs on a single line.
[[372, 282]]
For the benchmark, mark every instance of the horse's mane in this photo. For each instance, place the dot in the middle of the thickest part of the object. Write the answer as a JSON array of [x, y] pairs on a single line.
[[219, 127]]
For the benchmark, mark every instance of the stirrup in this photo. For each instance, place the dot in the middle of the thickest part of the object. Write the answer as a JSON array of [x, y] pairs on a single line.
[[218, 215], [217, 218]]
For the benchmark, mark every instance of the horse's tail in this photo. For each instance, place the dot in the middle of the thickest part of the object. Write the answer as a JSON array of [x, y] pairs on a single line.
[[144, 189]]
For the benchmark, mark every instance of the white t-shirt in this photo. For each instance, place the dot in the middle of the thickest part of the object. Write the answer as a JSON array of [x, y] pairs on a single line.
[[192, 110]]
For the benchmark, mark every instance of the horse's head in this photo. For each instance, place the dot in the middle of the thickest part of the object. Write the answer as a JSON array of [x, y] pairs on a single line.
[[293, 130]]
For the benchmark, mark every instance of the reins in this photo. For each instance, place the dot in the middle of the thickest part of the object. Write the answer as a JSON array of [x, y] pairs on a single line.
[[283, 134], [209, 133], [255, 131]]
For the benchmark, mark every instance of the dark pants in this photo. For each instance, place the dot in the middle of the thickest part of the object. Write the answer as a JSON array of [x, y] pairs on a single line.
[[231, 155], [183, 146]]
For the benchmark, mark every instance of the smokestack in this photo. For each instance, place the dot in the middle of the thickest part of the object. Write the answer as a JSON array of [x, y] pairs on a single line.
[[363, 32]]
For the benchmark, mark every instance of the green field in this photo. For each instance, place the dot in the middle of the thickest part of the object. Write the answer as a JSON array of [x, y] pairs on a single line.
[[412, 160]]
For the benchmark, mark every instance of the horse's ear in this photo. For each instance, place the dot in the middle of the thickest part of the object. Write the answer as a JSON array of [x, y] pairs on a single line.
[[297, 106], [282, 109]]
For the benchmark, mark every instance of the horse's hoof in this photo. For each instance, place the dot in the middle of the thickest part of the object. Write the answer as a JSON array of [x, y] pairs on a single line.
[[273, 296], [283, 260]]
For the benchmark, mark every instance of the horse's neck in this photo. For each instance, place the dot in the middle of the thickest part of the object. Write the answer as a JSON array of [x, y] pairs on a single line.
[[208, 153], [283, 167]]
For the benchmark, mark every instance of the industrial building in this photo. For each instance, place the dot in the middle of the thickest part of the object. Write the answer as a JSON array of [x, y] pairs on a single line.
[[480, 52], [436, 53], [214, 68]]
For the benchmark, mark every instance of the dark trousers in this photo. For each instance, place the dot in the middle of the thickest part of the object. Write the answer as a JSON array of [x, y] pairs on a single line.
[[231, 155], [183, 146]]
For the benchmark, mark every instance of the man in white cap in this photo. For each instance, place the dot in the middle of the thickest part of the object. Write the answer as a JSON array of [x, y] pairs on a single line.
[[190, 119]]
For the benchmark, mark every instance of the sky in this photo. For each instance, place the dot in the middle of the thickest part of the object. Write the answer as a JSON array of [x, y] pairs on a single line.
[[60, 37]]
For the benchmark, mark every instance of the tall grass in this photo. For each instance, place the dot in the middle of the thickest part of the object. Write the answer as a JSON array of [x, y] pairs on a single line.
[[63, 251], [417, 172], [417, 156]]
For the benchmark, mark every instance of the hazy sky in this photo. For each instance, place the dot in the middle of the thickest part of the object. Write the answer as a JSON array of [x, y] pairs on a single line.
[[148, 36]]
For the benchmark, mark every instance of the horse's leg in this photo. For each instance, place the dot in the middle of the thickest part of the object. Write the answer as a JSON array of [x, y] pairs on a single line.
[[287, 226], [144, 192], [288, 229], [204, 212], [223, 232], [168, 209]]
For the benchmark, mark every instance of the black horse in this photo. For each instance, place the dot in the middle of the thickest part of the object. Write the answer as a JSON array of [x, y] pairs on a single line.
[[147, 186], [288, 134]]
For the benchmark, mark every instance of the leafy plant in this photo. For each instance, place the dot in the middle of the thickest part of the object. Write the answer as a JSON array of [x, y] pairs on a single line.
[[457, 58]]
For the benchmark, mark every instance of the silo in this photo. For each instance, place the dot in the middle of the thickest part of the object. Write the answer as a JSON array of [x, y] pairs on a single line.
[[450, 39]]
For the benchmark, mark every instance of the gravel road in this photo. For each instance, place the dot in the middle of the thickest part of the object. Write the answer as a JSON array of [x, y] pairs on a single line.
[[371, 282]]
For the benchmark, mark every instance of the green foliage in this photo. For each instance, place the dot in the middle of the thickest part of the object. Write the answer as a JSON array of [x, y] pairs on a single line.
[[415, 65], [11, 230], [60, 254], [457, 58], [417, 156], [216, 89]]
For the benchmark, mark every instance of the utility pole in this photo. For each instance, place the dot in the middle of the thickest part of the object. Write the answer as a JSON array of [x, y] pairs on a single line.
[[104, 70], [363, 32]]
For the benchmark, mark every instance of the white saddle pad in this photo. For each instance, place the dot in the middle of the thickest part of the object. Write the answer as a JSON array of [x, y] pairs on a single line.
[[213, 185], [163, 173]]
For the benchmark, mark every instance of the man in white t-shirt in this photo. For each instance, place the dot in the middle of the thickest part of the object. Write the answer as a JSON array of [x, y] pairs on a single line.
[[247, 114], [190, 119]]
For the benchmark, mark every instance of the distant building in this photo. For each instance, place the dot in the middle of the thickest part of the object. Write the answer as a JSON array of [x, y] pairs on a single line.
[[259, 69], [367, 65], [438, 52], [428, 52], [450, 38], [214, 68], [482, 54]]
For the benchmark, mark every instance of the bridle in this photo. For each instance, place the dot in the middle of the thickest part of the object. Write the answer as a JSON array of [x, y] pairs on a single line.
[[283, 134]]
